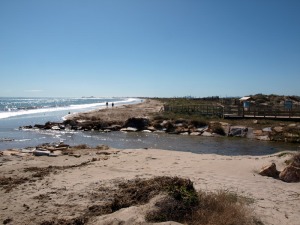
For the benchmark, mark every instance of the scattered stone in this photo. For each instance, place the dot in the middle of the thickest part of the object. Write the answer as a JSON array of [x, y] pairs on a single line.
[[292, 125], [290, 174], [278, 129], [258, 132], [267, 129], [195, 133], [129, 129], [151, 128], [146, 131], [202, 129], [263, 138], [184, 133], [269, 171], [41, 153], [207, 134]]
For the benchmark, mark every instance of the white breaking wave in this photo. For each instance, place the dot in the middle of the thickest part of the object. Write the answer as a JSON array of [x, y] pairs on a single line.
[[65, 108]]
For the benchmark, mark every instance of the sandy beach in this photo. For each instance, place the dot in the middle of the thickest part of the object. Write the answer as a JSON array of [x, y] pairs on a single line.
[[48, 190], [64, 186], [119, 114]]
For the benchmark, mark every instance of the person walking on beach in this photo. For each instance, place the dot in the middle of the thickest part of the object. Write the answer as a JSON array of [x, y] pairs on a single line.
[[106, 104], [112, 104]]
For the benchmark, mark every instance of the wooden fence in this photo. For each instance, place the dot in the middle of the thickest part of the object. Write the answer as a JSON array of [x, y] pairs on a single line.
[[204, 110], [236, 111]]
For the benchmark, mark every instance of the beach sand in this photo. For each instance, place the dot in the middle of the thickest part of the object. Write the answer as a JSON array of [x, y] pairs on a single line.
[[120, 113], [74, 184]]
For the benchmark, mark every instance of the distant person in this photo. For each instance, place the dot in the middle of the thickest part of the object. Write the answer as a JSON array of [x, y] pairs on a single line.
[[106, 104], [112, 104]]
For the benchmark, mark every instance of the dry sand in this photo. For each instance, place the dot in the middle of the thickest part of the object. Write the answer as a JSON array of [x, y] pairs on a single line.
[[87, 180], [121, 113]]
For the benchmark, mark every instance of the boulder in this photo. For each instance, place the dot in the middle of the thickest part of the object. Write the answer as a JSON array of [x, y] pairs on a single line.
[[267, 129], [238, 131], [290, 174], [269, 171], [138, 123], [278, 129]]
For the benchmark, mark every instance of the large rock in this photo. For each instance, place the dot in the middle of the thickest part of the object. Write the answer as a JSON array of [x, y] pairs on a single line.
[[278, 129], [238, 131], [138, 123], [269, 171], [290, 174]]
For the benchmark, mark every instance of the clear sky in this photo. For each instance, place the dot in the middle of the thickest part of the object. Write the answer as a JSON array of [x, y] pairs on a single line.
[[162, 48]]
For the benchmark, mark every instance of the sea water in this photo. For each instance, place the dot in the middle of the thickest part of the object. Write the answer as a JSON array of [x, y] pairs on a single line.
[[16, 112]]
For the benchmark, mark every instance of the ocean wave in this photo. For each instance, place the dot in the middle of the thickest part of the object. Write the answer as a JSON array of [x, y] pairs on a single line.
[[8, 114]]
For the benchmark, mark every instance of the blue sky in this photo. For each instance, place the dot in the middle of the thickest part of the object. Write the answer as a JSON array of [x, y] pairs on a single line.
[[162, 48]]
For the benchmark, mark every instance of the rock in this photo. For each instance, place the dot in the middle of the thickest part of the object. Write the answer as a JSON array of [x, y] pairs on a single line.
[[55, 128], [184, 133], [267, 129], [40, 153], [114, 127], [129, 129], [263, 138], [238, 131], [255, 121], [202, 129], [138, 123], [258, 132], [269, 171], [106, 131], [146, 131], [195, 133], [207, 134], [292, 125], [39, 126], [290, 174], [151, 128], [278, 129]]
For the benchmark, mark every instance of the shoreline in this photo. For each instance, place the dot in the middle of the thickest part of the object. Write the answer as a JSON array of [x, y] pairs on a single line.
[[145, 117], [65, 184]]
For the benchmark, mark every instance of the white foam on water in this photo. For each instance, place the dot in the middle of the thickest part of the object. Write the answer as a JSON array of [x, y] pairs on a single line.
[[4, 115]]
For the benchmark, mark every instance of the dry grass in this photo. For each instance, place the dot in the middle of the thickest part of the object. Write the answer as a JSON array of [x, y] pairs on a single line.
[[182, 203]]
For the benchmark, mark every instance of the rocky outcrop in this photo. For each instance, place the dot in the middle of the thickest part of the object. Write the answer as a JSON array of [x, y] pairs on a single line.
[[269, 171]]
